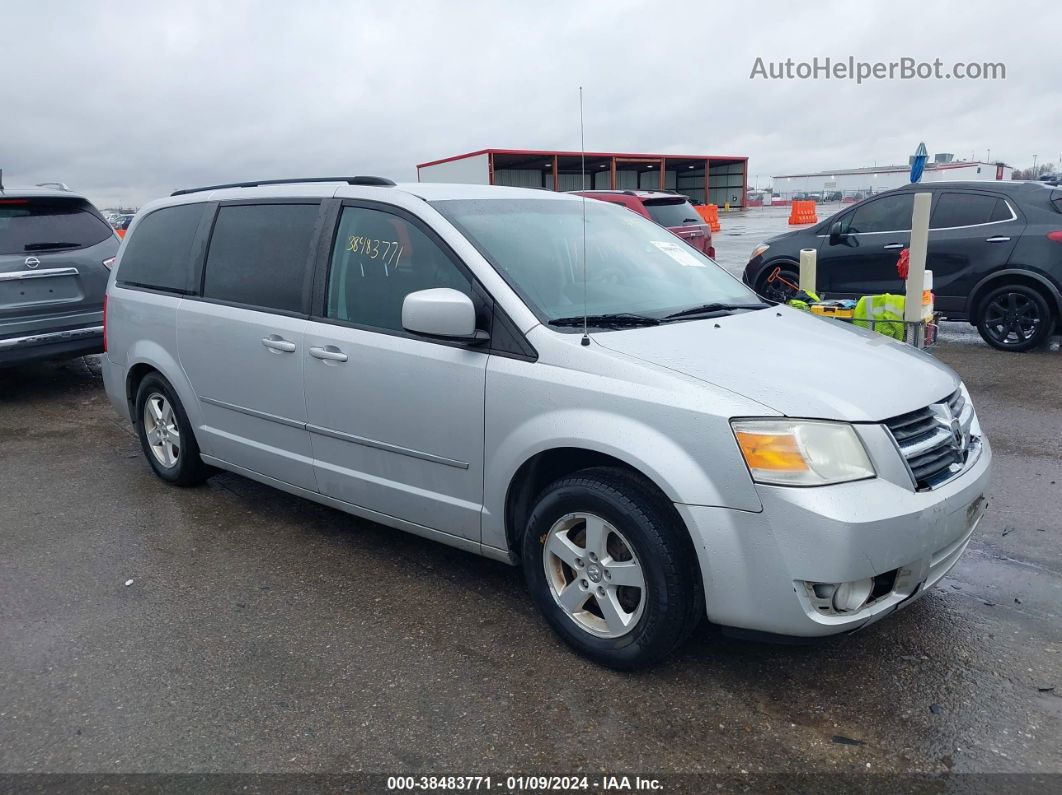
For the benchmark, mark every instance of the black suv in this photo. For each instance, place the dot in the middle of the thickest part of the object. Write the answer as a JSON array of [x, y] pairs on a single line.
[[995, 249], [55, 254]]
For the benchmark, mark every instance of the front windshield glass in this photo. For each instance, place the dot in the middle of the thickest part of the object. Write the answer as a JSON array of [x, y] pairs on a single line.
[[632, 265]]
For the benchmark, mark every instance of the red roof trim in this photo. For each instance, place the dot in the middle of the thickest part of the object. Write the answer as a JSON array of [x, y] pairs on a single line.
[[551, 153], [455, 157]]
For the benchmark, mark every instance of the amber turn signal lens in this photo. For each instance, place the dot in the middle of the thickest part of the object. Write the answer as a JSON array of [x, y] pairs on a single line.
[[777, 452]]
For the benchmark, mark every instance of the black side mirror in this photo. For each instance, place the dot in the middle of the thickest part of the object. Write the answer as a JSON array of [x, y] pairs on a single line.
[[837, 232]]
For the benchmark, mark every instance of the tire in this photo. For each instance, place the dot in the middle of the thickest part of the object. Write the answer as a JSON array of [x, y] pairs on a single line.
[[641, 536], [166, 435], [1015, 318], [777, 290]]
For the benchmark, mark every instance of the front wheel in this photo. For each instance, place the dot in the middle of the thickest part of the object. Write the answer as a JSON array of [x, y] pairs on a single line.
[[780, 288], [1014, 318], [611, 568]]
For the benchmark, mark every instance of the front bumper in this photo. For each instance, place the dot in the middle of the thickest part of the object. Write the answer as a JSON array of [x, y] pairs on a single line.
[[755, 565]]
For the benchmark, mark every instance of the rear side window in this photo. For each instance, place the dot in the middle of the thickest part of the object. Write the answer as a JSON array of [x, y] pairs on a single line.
[[672, 213], [968, 209], [35, 225], [887, 214], [260, 254], [158, 254]]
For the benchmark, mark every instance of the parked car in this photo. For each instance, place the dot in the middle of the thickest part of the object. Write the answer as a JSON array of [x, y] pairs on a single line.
[[995, 249], [121, 223], [415, 355], [671, 210], [55, 252]]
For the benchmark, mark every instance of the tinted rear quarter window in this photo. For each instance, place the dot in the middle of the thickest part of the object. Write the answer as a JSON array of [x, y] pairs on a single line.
[[42, 225], [672, 213], [158, 253], [260, 255], [968, 209]]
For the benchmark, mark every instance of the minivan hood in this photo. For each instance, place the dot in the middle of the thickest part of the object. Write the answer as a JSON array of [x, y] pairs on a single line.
[[794, 363]]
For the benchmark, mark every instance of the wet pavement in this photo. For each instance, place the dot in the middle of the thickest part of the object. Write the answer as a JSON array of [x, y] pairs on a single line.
[[264, 633]]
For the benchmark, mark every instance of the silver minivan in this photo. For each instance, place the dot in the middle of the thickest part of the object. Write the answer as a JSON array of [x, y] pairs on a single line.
[[553, 382]]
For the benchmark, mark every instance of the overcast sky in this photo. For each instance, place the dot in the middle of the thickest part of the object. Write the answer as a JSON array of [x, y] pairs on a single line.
[[127, 101]]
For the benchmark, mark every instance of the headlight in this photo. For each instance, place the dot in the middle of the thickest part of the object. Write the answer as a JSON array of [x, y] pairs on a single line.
[[758, 250], [802, 452]]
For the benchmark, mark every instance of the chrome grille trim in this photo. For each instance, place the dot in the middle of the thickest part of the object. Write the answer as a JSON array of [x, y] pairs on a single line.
[[936, 441]]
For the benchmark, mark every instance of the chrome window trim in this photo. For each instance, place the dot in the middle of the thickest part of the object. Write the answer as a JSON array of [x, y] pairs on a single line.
[[1013, 217]]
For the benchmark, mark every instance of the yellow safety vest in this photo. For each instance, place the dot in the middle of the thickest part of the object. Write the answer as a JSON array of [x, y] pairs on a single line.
[[882, 313]]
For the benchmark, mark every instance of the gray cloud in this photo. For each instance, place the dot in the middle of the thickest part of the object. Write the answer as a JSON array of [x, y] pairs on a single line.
[[127, 101]]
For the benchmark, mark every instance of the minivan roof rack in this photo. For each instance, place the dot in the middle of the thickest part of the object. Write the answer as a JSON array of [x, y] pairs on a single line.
[[56, 185], [382, 182]]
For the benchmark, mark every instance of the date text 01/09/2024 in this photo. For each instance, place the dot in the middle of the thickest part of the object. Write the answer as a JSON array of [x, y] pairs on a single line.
[[522, 783]]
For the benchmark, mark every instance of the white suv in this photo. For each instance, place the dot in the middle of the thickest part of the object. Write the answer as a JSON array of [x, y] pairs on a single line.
[[416, 355]]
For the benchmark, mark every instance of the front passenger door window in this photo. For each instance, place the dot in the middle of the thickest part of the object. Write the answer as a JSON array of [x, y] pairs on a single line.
[[887, 214], [377, 260]]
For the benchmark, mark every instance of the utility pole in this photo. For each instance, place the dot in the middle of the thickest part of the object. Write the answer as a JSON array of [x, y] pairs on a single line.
[[1036, 174]]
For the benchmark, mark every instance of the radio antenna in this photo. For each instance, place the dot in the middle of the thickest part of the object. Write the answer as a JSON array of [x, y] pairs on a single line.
[[582, 167]]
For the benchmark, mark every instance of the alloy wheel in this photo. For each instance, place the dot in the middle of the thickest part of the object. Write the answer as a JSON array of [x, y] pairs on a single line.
[[594, 575], [1012, 318], [160, 428]]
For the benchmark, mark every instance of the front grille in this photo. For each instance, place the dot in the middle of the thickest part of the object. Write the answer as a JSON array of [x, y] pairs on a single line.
[[936, 440]]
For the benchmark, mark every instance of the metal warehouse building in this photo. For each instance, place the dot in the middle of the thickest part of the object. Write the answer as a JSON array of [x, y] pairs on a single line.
[[714, 179], [859, 182]]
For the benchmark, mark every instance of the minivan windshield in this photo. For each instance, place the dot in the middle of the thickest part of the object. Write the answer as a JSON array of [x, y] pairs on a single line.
[[634, 268]]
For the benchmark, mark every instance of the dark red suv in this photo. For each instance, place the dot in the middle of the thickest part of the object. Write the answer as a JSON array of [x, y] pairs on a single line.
[[670, 210]]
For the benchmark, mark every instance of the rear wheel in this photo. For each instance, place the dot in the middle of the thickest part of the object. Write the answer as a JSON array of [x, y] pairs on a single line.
[[611, 567], [777, 290], [1015, 318], [166, 435]]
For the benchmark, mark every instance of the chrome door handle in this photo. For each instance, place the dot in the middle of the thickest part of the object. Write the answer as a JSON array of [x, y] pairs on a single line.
[[279, 344], [891, 246], [997, 239], [328, 354]]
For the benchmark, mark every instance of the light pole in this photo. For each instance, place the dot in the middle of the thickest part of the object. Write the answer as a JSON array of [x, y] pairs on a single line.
[[1036, 174]]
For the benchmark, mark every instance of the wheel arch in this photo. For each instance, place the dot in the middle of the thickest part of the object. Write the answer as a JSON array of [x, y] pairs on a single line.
[[1013, 276], [546, 466], [147, 357], [784, 261]]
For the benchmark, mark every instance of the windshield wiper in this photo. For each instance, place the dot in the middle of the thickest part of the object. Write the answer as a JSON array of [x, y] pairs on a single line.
[[709, 309], [43, 246], [614, 319]]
